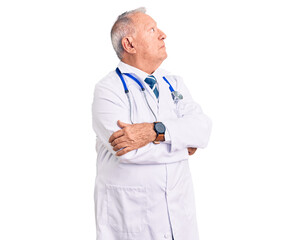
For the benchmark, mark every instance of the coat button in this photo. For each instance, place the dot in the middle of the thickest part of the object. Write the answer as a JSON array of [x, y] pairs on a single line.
[[166, 235]]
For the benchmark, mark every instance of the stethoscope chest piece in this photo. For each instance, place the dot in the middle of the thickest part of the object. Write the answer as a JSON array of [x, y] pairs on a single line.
[[177, 96]]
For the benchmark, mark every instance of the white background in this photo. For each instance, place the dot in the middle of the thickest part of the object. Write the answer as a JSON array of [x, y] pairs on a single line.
[[237, 59]]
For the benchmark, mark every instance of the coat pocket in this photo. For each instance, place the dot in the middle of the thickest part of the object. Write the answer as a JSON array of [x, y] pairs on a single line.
[[126, 208]]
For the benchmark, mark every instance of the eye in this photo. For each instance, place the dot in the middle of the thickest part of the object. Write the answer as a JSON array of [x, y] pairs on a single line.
[[152, 30]]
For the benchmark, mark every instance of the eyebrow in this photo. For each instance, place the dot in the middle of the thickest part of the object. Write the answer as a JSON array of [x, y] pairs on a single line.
[[149, 26]]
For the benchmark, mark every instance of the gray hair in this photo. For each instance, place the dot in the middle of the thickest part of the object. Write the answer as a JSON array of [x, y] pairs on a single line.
[[121, 28]]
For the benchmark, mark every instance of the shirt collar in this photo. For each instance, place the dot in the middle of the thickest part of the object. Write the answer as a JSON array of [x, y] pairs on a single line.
[[126, 68]]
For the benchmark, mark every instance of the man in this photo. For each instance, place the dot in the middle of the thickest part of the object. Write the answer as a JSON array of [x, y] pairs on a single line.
[[147, 125]]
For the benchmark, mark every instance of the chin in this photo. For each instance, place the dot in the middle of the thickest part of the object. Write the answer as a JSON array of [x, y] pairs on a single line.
[[164, 56]]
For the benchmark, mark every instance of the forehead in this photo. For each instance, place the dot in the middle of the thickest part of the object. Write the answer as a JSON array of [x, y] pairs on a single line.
[[143, 20]]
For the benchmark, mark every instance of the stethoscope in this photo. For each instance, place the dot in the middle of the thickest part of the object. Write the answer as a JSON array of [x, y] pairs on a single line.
[[175, 94]]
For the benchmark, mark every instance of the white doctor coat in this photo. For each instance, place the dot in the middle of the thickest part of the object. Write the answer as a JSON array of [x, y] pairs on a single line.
[[146, 194]]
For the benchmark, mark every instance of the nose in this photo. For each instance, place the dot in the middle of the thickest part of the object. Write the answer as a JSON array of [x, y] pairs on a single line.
[[162, 35]]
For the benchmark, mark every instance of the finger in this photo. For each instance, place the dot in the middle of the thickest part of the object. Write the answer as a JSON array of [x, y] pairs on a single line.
[[118, 140], [191, 151], [191, 148], [122, 124], [124, 151], [115, 135], [120, 146]]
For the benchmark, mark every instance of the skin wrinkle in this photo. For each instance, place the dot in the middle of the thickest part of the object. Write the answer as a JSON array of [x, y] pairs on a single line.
[[143, 49]]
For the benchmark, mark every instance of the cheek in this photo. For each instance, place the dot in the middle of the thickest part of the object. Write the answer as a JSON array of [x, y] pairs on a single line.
[[145, 44]]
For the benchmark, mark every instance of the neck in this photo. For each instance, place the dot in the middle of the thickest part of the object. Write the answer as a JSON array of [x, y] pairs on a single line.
[[145, 66]]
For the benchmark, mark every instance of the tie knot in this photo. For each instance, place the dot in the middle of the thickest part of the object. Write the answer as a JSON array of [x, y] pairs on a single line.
[[150, 80]]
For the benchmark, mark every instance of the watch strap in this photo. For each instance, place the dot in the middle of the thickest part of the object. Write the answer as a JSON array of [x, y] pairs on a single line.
[[160, 138]]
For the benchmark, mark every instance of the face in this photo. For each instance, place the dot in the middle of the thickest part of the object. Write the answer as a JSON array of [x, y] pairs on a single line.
[[148, 39]]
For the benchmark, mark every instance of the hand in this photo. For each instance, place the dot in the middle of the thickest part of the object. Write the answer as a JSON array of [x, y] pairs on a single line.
[[131, 137], [191, 150]]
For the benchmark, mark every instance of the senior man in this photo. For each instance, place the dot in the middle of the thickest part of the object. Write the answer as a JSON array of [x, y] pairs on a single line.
[[147, 125]]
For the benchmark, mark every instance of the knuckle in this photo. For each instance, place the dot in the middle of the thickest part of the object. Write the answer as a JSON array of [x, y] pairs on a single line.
[[127, 131]]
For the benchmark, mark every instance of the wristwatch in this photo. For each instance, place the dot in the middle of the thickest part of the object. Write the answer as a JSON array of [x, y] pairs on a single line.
[[159, 128]]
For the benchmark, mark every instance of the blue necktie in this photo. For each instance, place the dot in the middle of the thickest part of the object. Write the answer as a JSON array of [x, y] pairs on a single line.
[[151, 81]]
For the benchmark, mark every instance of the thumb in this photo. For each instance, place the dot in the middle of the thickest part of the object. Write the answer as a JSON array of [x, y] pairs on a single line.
[[122, 124]]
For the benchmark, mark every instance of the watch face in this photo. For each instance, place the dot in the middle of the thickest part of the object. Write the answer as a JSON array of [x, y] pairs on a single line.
[[159, 127]]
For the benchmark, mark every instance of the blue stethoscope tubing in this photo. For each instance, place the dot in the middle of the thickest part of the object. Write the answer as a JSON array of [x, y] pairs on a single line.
[[173, 92]]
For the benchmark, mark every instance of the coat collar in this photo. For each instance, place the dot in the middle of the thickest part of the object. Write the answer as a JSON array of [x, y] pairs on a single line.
[[126, 68], [141, 75]]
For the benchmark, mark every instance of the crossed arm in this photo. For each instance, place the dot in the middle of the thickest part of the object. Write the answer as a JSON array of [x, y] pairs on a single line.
[[134, 136], [132, 143]]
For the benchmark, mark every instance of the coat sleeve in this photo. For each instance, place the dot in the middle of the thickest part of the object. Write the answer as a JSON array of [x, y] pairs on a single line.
[[192, 128], [110, 105]]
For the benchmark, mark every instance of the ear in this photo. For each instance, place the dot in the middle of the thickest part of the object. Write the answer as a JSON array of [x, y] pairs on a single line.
[[128, 45]]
